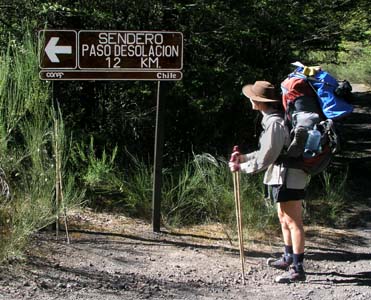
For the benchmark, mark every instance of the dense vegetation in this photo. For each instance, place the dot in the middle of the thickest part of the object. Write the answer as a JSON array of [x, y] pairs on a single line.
[[227, 44], [106, 129]]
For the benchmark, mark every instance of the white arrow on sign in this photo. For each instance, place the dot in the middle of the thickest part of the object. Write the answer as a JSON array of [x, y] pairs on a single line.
[[52, 50]]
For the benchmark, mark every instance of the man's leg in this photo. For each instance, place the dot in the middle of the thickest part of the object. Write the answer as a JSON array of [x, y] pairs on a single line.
[[292, 214], [287, 259], [292, 217]]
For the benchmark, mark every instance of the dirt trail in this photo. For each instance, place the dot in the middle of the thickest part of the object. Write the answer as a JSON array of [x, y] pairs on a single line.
[[356, 155], [114, 257]]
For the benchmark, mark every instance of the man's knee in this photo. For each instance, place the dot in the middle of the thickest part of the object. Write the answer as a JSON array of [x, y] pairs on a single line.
[[281, 217], [294, 224]]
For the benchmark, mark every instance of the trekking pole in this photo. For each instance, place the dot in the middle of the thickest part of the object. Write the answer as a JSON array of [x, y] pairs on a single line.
[[237, 199]]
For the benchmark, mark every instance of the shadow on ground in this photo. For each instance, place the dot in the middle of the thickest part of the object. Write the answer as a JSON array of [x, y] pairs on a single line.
[[360, 279]]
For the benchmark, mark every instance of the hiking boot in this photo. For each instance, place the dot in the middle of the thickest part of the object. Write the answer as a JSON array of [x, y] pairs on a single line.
[[295, 274], [296, 147], [283, 263]]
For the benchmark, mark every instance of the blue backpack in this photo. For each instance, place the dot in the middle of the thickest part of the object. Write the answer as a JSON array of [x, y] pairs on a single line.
[[331, 98]]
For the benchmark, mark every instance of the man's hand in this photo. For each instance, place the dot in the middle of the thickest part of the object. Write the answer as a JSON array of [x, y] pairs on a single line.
[[234, 167], [234, 161]]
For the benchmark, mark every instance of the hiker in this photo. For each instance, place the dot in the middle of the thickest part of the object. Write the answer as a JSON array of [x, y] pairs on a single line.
[[286, 185]]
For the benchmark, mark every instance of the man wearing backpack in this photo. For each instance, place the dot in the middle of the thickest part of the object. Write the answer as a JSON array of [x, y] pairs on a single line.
[[287, 185]]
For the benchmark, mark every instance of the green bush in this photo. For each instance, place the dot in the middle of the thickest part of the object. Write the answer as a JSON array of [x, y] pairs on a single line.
[[96, 170], [28, 153], [354, 63], [203, 192], [327, 198]]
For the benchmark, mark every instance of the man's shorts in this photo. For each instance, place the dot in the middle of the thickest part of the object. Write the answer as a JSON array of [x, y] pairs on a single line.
[[279, 193]]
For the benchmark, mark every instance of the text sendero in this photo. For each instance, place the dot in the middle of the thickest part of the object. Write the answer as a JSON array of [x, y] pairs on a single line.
[[142, 50]]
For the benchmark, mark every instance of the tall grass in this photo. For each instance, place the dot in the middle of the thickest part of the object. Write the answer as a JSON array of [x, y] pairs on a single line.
[[197, 192], [203, 192], [327, 199], [96, 169], [26, 143], [127, 191], [136, 186]]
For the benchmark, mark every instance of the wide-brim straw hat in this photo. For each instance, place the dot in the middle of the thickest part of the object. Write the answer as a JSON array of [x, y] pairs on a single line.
[[261, 91]]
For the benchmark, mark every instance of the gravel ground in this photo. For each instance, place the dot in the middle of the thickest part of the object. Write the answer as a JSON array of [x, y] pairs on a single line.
[[114, 257]]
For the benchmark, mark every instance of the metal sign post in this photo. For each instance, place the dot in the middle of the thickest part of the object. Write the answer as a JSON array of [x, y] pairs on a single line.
[[157, 180], [117, 55]]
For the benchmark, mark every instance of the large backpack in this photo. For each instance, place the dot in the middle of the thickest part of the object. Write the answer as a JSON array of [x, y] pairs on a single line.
[[312, 101], [331, 94]]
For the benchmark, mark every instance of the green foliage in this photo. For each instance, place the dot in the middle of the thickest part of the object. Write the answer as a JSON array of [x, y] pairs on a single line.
[[27, 155], [198, 193], [136, 188], [226, 44], [327, 201], [98, 169], [128, 191], [203, 192], [354, 63]]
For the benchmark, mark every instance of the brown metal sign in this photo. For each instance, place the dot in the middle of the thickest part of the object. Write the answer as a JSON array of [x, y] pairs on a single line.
[[134, 50], [110, 55]]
